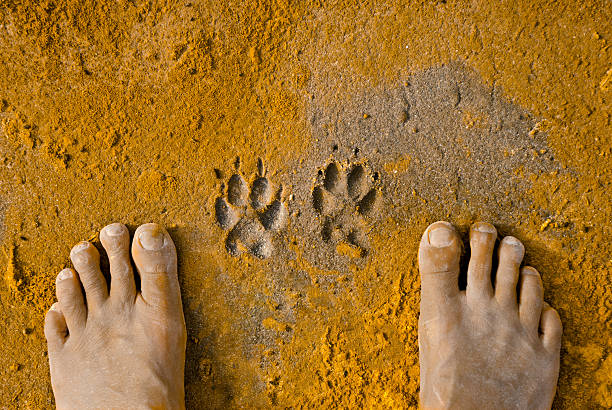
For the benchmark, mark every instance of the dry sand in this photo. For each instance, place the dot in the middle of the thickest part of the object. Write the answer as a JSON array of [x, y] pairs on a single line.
[[296, 152]]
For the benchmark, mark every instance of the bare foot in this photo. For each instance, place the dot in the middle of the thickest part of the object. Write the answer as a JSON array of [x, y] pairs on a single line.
[[125, 349], [479, 348]]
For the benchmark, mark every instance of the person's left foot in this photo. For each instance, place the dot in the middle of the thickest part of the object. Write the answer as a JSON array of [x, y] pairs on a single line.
[[124, 348]]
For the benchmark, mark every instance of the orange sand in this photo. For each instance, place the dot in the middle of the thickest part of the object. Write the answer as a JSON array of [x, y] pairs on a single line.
[[122, 110]]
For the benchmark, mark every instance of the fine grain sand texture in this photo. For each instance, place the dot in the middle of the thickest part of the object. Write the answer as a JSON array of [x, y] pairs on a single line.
[[296, 151]]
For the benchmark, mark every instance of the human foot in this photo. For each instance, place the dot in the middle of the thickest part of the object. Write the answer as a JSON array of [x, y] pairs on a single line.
[[125, 349], [479, 348]]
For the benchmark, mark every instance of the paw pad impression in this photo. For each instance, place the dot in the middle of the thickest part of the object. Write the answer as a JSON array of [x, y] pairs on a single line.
[[250, 214], [345, 199]]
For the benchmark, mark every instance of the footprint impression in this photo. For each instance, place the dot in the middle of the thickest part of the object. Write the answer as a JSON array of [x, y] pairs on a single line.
[[252, 215], [345, 200]]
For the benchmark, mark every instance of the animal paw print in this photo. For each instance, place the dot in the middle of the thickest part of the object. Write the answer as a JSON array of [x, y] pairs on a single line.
[[250, 216], [346, 199]]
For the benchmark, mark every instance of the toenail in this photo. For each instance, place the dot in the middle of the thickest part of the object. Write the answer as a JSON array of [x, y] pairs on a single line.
[[485, 228], [440, 236], [151, 240], [528, 270], [64, 274], [81, 246], [115, 229], [55, 307], [511, 240]]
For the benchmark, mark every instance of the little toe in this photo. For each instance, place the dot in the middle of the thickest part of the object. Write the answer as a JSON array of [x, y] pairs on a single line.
[[70, 299], [155, 258], [511, 252], [116, 241], [482, 242], [439, 253], [531, 293], [551, 329], [86, 260], [56, 329]]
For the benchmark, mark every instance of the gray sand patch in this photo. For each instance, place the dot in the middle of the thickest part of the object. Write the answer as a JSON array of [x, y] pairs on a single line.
[[441, 142], [438, 143]]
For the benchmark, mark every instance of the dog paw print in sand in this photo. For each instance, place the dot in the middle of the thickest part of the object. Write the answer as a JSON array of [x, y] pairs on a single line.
[[250, 214], [345, 198]]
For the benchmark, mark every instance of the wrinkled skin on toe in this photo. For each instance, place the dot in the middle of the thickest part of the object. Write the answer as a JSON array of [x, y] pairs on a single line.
[[485, 347], [121, 348]]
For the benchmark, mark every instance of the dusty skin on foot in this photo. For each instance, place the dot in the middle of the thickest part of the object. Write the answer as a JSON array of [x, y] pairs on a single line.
[[123, 348], [484, 348], [479, 348]]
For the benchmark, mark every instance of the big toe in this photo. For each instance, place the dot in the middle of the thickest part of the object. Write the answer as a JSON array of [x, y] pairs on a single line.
[[439, 254], [154, 255]]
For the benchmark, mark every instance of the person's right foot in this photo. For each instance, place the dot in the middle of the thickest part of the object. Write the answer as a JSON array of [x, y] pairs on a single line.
[[479, 348]]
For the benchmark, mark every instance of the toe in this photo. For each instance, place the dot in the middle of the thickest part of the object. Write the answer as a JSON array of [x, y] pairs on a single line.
[[86, 261], [439, 254], [482, 241], [116, 241], [511, 252], [70, 299], [155, 258], [530, 298], [56, 329], [551, 329]]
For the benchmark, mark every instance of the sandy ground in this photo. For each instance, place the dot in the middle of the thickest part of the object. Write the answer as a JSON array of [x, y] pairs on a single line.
[[296, 152]]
